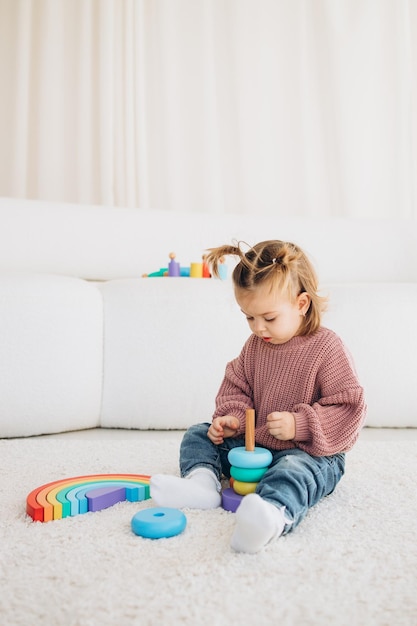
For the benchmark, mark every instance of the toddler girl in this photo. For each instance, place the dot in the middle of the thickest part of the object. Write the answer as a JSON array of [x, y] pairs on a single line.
[[299, 378]]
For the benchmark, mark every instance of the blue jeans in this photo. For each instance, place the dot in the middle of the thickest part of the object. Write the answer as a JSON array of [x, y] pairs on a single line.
[[294, 479]]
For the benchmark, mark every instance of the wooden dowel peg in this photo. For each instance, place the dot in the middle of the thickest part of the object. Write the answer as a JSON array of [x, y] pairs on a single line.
[[250, 430]]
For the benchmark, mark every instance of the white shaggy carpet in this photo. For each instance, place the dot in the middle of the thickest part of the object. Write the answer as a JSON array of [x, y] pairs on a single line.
[[352, 561]]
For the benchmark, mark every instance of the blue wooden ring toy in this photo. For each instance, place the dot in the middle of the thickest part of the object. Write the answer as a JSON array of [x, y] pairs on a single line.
[[231, 500], [240, 457], [158, 522], [248, 475]]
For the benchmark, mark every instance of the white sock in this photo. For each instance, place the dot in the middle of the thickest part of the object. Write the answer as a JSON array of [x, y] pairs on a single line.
[[199, 490], [257, 523]]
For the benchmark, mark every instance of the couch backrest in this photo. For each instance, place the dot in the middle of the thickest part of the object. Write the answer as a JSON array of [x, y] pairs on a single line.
[[101, 243]]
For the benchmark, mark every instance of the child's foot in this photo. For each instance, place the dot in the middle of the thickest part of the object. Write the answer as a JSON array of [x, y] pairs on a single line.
[[257, 523], [199, 490]]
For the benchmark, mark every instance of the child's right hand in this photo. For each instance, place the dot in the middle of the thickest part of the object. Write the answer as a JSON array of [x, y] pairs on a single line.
[[223, 427]]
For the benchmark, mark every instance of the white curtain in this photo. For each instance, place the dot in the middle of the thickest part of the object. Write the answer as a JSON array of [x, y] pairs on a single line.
[[283, 107]]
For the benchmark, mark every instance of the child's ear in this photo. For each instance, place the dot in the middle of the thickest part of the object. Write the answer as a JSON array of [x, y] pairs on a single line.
[[303, 302]]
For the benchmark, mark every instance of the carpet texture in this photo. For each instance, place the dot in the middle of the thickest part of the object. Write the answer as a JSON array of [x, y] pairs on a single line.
[[352, 561]]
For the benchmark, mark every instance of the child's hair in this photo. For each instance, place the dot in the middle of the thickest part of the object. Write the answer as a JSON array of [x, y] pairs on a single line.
[[281, 264]]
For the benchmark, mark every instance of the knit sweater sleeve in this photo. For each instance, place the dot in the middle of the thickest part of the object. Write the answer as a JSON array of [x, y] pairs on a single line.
[[235, 394], [332, 423]]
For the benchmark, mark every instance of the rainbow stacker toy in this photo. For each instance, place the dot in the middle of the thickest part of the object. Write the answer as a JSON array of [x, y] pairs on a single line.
[[248, 465], [74, 496]]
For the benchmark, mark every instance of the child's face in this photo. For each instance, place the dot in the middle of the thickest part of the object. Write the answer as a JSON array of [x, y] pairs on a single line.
[[271, 315]]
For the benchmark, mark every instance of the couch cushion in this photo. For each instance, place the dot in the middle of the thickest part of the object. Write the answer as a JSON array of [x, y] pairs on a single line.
[[167, 344], [168, 341], [51, 347], [376, 321]]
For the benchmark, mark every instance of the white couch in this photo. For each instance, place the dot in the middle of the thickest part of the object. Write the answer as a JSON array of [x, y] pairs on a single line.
[[86, 341]]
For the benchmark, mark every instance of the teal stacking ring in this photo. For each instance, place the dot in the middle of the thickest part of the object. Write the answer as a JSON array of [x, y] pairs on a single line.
[[158, 522], [240, 457], [245, 475]]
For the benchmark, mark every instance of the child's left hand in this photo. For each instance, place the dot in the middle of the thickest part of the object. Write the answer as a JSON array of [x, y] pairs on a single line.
[[281, 425]]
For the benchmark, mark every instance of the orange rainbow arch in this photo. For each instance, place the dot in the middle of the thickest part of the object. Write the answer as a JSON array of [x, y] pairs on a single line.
[[73, 496]]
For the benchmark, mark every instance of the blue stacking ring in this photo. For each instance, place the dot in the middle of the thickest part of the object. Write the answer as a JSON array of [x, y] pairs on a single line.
[[240, 457], [158, 522]]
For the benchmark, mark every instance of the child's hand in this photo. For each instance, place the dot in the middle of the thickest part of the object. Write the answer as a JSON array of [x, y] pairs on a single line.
[[281, 425], [222, 427]]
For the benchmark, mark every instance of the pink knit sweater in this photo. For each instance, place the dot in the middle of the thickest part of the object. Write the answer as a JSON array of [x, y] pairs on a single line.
[[313, 377]]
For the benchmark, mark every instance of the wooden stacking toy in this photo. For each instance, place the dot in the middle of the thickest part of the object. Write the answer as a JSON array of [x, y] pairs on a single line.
[[248, 465], [195, 270], [73, 496]]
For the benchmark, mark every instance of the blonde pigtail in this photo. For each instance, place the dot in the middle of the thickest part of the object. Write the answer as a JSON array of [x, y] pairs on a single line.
[[216, 256]]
